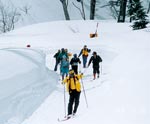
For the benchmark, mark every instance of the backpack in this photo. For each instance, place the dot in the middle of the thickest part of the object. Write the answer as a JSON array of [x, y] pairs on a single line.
[[85, 52], [74, 62], [65, 63], [99, 58], [76, 83]]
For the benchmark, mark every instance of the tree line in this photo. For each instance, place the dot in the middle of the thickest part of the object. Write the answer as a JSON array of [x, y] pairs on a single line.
[[10, 15], [120, 9]]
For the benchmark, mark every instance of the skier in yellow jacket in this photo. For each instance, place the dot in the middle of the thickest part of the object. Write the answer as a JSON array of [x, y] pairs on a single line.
[[74, 88], [84, 52]]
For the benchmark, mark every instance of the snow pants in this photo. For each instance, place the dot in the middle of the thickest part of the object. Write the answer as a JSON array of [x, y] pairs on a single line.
[[73, 99], [56, 64], [96, 70], [84, 61]]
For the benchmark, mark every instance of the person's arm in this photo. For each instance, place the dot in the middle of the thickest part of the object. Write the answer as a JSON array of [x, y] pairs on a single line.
[[55, 55], [100, 59], [80, 53], [65, 80], [71, 62], [89, 50], [80, 76], [91, 59], [79, 61]]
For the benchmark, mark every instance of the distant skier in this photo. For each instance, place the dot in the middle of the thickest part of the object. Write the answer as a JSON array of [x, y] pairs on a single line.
[[57, 60], [64, 67], [68, 54], [95, 59], [62, 54], [85, 52], [74, 63], [74, 88]]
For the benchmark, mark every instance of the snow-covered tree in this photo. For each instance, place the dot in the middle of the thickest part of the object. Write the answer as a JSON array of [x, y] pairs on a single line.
[[138, 14], [9, 16]]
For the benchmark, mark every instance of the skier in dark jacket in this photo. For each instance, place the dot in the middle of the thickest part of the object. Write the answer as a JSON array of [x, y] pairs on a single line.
[[84, 52], [74, 63], [95, 59], [57, 60]]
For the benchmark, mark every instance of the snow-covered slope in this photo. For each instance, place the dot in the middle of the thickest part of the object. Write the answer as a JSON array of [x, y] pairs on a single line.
[[120, 96], [24, 83]]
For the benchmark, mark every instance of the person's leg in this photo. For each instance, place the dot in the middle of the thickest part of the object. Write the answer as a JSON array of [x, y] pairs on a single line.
[[66, 72], [70, 104], [94, 73], [84, 61], [63, 74], [73, 68], [77, 97], [98, 72], [76, 69], [55, 69]]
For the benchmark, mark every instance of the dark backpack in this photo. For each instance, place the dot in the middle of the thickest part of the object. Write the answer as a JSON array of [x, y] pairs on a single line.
[[99, 58]]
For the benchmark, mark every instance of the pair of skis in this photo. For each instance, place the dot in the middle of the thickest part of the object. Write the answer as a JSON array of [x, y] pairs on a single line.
[[65, 118]]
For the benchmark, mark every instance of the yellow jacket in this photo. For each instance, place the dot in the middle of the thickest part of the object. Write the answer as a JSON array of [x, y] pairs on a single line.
[[85, 52], [72, 83]]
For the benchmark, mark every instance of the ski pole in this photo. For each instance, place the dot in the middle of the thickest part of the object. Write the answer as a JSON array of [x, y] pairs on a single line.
[[96, 28], [84, 93], [79, 68], [64, 101], [101, 68]]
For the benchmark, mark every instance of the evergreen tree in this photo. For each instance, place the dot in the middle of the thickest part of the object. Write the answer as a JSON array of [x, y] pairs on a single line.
[[138, 14]]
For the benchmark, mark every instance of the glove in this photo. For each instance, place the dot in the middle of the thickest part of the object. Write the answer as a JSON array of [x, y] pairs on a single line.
[[62, 83]]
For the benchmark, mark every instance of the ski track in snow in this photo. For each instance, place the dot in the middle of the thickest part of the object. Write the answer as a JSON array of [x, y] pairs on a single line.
[[114, 98], [89, 83]]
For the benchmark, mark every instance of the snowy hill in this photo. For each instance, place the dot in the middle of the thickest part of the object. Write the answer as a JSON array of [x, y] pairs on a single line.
[[24, 83], [33, 94]]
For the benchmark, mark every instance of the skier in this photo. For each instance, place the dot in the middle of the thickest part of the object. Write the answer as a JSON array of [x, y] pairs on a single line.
[[74, 63], [62, 53], [57, 60], [74, 88], [68, 54], [95, 59], [64, 67], [85, 51]]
